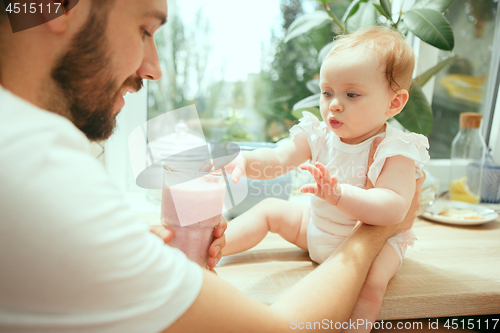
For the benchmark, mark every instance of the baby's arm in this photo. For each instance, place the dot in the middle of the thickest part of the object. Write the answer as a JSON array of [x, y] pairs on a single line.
[[385, 204], [268, 163], [388, 202]]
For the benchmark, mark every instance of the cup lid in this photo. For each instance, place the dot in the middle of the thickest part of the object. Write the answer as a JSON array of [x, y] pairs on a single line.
[[181, 141]]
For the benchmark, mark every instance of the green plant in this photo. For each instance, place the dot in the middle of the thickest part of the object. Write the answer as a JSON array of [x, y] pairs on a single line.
[[425, 20], [286, 67], [235, 123]]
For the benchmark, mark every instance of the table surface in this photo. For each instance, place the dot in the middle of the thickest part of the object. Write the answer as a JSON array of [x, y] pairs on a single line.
[[451, 271]]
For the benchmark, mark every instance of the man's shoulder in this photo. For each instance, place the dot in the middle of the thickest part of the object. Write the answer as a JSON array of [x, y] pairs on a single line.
[[23, 122]]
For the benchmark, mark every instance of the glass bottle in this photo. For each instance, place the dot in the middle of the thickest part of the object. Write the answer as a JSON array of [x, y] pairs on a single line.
[[467, 159]]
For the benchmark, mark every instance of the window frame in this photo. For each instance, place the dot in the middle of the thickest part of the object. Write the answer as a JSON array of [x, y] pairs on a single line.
[[116, 159]]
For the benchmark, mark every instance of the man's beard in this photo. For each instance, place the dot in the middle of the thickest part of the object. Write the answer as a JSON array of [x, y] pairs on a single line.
[[87, 86]]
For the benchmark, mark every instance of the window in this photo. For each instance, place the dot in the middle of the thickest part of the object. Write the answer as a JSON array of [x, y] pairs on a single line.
[[469, 84], [228, 59], [233, 85]]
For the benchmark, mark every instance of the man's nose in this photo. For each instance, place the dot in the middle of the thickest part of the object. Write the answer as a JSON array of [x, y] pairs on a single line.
[[150, 67]]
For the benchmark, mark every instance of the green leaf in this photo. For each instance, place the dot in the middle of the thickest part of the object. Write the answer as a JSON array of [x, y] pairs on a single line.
[[417, 113], [439, 5], [366, 16], [423, 78], [313, 86], [307, 102], [305, 23], [387, 5], [430, 26], [351, 10], [281, 99], [382, 11], [315, 111]]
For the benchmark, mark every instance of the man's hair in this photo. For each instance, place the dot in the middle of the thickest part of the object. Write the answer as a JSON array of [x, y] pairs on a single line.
[[3, 18], [3, 13], [395, 53], [96, 3], [102, 3]]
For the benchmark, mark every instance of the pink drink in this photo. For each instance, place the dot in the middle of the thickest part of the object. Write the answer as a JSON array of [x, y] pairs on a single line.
[[192, 209]]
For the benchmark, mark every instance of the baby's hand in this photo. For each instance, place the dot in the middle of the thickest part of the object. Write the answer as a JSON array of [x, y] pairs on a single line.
[[236, 168], [219, 242], [326, 186]]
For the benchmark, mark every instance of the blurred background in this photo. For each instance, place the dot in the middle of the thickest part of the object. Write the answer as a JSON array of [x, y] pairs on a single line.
[[229, 58]]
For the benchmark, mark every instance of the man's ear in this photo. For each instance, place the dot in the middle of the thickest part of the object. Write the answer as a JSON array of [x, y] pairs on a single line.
[[61, 23], [398, 102]]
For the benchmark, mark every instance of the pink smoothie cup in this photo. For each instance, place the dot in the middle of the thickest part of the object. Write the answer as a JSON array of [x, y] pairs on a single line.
[[191, 206]]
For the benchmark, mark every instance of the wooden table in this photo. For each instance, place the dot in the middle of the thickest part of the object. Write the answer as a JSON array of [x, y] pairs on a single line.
[[451, 271]]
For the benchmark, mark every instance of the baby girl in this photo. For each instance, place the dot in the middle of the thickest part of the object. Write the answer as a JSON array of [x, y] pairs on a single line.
[[364, 81]]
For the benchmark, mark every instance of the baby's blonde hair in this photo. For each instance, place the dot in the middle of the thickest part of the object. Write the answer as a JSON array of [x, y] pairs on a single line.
[[395, 53]]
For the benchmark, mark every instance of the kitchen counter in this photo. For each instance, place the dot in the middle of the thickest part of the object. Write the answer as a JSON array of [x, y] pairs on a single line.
[[451, 271]]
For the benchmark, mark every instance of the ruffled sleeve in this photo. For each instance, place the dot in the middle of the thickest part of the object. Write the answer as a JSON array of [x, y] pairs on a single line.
[[409, 145], [310, 124]]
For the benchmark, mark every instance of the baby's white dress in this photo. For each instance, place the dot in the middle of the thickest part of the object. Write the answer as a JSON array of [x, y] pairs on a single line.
[[328, 226]]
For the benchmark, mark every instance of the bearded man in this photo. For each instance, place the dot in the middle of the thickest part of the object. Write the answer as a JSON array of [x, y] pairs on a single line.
[[73, 257]]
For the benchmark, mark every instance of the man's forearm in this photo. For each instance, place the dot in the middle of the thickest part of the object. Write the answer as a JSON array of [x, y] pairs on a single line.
[[331, 290], [328, 293]]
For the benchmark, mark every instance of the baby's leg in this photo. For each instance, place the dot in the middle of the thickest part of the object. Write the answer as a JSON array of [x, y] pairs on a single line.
[[370, 298], [288, 219]]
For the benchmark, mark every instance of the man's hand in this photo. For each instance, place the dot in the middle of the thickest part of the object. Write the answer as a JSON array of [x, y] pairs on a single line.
[[373, 149], [326, 186], [407, 222], [410, 217], [164, 233], [215, 249]]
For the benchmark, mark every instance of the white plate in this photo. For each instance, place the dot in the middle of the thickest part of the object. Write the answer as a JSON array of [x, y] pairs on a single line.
[[432, 213]]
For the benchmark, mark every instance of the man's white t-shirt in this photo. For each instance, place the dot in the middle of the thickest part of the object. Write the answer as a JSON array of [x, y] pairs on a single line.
[[73, 257]]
